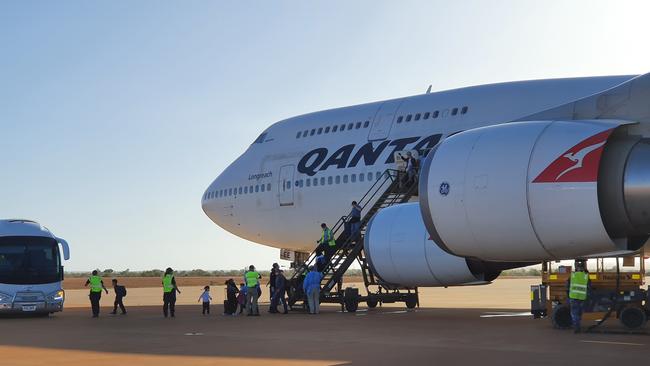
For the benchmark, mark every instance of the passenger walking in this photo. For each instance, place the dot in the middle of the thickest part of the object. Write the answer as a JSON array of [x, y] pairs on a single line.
[[320, 261], [252, 279], [231, 297], [169, 293], [271, 283], [280, 289], [411, 166], [578, 293], [120, 294], [311, 286], [355, 220], [206, 298], [96, 286], [241, 298], [327, 241]]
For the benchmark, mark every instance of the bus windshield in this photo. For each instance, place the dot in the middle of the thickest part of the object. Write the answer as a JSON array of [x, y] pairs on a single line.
[[29, 260]]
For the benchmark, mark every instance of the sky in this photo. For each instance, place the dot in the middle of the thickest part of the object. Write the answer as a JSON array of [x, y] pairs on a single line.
[[116, 116]]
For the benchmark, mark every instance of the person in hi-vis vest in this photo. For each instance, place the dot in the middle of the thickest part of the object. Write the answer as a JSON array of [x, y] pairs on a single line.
[[96, 287], [578, 292], [169, 293], [327, 241], [252, 280]]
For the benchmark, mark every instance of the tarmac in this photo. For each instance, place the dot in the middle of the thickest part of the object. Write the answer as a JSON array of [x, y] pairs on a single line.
[[460, 335]]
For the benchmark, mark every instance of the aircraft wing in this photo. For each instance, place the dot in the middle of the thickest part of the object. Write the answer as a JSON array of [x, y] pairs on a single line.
[[628, 101]]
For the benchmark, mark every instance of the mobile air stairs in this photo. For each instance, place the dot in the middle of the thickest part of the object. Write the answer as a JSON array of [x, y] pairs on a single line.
[[390, 189]]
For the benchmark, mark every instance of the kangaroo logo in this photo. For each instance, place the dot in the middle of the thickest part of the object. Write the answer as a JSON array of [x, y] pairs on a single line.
[[578, 164]]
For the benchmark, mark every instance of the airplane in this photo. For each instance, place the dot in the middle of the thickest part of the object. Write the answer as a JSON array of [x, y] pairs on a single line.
[[516, 172]]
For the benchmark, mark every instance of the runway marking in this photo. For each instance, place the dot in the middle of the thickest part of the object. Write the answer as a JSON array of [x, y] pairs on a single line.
[[193, 334], [500, 314], [617, 343], [358, 311], [396, 312]]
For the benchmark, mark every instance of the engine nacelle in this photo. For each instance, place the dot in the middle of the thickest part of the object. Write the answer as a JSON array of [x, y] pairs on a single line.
[[532, 191], [401, 252]]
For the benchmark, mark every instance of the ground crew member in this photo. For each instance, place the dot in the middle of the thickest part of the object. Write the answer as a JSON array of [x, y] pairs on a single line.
[[169, 292], [96, 286], [120, 292], [327, 241], [578, 291], [252, 280]]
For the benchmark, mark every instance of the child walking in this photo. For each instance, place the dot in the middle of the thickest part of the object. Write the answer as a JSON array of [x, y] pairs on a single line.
[[205, 297]]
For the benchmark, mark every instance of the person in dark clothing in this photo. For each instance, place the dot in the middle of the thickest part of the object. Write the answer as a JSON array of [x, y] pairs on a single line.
[[411, 168], [280, 289], [231, 297], [271, 283], [355, 220], [120, 293], [96, 286], [320, 261], [169, 293]]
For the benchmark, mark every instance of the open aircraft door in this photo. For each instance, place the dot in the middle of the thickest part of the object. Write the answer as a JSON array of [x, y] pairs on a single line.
[[285, 185], [383, 120]]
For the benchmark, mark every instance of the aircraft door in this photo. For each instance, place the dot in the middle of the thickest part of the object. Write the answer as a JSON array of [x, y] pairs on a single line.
[[383, 120], [285, 185]]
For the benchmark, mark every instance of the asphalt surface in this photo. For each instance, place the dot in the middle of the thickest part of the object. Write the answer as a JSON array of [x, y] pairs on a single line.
[[379, 336]]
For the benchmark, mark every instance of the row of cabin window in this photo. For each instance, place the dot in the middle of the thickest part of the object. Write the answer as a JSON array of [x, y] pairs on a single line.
[[338, 179], [426, 115], [328, 129], [238, 190], [307, 182]]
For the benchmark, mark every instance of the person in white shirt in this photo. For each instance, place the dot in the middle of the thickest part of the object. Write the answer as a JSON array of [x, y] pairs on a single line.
[[205, 297]]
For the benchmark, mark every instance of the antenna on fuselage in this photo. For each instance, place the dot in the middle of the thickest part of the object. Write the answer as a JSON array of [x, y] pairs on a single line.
[[429, 89]]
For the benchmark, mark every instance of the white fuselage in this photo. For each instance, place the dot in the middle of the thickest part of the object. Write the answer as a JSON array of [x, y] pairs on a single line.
[[263, 196]]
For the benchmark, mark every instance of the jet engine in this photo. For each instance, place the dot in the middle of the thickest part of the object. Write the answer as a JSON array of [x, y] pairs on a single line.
[[531, 191], [401, 252]]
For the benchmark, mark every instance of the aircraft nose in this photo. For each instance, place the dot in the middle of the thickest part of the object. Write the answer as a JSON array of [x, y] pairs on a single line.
[[216, 205]]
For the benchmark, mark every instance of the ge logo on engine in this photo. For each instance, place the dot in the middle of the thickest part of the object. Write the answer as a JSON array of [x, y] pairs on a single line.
[[444, 189]]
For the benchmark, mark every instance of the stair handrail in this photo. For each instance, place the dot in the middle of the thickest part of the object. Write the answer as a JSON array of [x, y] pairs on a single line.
[[386, 175]]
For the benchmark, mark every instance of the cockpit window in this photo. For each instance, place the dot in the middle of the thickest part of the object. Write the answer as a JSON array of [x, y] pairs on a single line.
[[261, 138]]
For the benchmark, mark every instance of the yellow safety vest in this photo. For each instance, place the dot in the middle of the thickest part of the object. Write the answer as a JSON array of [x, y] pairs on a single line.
[[251, 278], [95, 283], [578, 286], [168, 286], [331, 242]]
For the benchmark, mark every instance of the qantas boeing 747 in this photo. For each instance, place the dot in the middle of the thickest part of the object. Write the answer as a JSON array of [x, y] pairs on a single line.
[[511, 173]]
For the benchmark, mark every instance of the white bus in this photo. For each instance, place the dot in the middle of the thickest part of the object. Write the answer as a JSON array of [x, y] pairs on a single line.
[[31, 273]]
